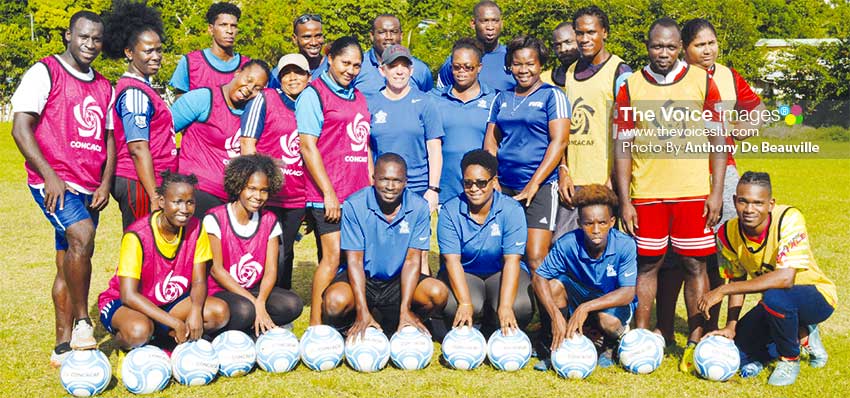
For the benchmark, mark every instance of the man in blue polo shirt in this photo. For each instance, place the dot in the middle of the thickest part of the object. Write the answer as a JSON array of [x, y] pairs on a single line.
[[589, 275], [385, 228], [487, 23], [386, 31]]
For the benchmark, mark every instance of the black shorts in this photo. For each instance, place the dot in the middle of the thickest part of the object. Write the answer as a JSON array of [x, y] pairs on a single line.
[[383, 299], [315, 218], [543, 211]]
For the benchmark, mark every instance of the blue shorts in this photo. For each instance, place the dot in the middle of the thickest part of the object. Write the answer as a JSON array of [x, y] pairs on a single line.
[[109, 309], [76, 209], [575, 297]]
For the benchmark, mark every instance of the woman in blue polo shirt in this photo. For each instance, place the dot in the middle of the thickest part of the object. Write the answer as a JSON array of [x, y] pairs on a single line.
[[528, 130], [482, 236], [405, 122], [464, 107]]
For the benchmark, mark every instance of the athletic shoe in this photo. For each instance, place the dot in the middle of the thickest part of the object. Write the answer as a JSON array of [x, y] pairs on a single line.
[[289, 326], [815, 349], [543, 365], [82, 337], [605, 359], [751, 369], [785, 374], [57, 359], [687, 363]]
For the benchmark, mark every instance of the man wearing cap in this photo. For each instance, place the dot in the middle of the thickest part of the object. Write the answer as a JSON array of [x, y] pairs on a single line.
[[308, 36], [268, 127], [386, 31]]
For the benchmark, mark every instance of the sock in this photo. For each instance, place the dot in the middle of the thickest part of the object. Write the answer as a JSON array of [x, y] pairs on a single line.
[[804, 341], [691, 343], [62, 348], [86, 320]]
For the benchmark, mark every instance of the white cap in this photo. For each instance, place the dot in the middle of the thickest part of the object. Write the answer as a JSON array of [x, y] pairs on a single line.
[[293, 59]]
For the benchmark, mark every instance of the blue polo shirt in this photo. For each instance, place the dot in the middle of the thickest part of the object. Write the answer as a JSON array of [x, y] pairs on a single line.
[[586, 278], [274, 82], [464, 124], [369, 81], [524, 123], [403, 126], [180, 77], [493, 72], [384, 244], [482, 247]]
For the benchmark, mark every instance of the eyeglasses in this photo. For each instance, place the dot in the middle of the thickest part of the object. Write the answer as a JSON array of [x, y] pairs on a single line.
[[307, 18], [467, 184], [463, 68]]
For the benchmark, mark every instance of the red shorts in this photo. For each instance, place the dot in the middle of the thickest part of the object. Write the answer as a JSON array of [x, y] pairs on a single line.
[[677, 221]]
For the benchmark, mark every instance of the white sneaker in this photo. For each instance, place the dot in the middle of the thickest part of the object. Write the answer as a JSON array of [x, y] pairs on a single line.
[[82, 337], [56, 360]]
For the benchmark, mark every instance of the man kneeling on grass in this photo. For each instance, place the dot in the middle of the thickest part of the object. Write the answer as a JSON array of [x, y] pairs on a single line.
[[590, 275], [769, 243]]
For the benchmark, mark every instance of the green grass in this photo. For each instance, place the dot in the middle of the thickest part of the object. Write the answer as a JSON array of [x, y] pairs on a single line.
[[819, 187]]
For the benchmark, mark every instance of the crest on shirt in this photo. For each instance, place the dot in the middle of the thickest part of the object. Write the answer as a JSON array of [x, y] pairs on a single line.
[[535, 104], [482, 103], [403, 227], [504, 105], [232, 145], [610, 271], [140, 121], [494, 230], [380, 117]]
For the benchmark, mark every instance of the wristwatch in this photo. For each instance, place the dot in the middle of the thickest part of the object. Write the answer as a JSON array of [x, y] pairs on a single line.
[[433, 188]]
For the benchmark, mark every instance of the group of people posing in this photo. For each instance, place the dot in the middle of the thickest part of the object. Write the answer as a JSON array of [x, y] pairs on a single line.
[[529, 179]]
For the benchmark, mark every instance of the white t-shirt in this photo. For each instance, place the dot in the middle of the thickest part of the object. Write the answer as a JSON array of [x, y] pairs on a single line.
[[245, 231]]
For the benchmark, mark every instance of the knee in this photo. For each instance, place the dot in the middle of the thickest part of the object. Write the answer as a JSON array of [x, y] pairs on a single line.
[[137, 333], [438, 294], [80, 237], [336, 304], [285, 306], [523, 309], [610, 324], [217, 314], [694, 267], [775, 300]]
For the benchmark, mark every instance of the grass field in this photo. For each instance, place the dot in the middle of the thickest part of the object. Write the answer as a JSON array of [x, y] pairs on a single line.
[[819, 187]]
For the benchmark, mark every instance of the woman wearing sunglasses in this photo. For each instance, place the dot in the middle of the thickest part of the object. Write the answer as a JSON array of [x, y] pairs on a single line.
[[482, 234]]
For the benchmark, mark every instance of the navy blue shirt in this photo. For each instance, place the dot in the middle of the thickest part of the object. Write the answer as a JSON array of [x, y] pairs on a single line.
[[493, 72], [524, 123], [403, 126], [464, 124], [586, 277], [482, 247], [369, 81], [384, 244]]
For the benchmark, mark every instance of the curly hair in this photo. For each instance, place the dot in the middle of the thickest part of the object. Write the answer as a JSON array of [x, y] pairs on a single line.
[[123, 25], [222, 8], [526, 41], [170, 178], [240, 170], [596, 194], [481, 158]]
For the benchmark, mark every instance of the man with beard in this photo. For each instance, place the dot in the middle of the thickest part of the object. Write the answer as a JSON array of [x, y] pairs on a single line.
[[564, 45]]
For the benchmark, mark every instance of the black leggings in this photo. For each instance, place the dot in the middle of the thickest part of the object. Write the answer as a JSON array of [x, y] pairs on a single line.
[[282, 305], [290, 222], [484, 291]]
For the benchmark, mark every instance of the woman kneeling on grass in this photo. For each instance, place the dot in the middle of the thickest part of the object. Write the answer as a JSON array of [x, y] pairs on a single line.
[[244, 241], [160, 256]]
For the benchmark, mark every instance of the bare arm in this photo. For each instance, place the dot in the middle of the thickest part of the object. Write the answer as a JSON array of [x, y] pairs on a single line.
[[316, 168], [409, 280], [357, 279], [457, 280], [435, 168], [23, 131], [559, 135], [507, 293]]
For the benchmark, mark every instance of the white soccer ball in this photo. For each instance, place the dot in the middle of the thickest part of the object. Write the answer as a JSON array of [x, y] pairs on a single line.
[[464, 348], [277, 350], [717, 358], [85, 373], [369, 352], [411, 349], [236, 353], [146, 370], [641, 351], [575, 358], [509, 352], [194, 363], [321, 347]]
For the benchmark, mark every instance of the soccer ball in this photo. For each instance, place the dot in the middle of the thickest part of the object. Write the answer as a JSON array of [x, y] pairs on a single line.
[[717, 358], [411, 349], [321, 347], [509, 352], [369, 352], [277, 350], [236, 353], [194, 363], [85, 373], [575, 358], [464, 348], [641, 351], [146, 370]]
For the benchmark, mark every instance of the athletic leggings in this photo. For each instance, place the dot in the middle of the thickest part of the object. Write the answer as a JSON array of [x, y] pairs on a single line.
[[282, 305], [290, 222], [484, 290]]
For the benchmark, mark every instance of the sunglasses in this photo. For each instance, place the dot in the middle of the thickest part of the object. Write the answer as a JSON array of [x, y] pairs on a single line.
[[307, 18], [467, 184], [463, 68]]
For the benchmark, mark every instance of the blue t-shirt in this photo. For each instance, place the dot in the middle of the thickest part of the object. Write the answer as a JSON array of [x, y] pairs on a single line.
[[403, 126], [134, 109], [482, 247], [191, 107], [369, 81], [588, 278], [384, 244], [464, 124], [274, 82], [493, 72], [524, 123], [308, 106], [253, 121], [180, 77]]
